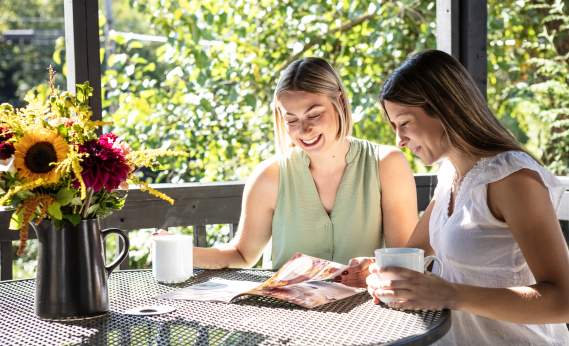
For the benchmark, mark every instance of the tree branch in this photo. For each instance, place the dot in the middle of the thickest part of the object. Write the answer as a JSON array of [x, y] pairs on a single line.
[[342, 28]]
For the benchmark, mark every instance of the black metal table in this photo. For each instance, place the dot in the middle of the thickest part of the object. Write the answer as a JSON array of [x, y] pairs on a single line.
[[251, 321]]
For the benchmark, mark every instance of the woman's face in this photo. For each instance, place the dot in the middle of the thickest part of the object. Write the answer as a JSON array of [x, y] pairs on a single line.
[[422, 134], [310, 120]]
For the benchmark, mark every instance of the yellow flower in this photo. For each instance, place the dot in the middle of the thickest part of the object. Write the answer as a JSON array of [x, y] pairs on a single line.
[[37, 154]]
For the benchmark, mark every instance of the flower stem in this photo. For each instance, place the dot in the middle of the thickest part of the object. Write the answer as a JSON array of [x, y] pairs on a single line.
[[87, 203]]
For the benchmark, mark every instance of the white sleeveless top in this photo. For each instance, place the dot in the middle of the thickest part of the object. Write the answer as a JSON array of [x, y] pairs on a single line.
[[478, 249]]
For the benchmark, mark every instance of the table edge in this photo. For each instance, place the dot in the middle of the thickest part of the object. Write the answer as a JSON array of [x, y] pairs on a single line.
[[431, 336]]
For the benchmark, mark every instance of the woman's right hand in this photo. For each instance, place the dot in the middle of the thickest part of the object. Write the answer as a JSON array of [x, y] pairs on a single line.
[[357, 272]]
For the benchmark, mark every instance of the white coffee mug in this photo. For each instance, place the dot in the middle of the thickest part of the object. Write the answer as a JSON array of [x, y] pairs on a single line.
[[410, 258], [172, 260]]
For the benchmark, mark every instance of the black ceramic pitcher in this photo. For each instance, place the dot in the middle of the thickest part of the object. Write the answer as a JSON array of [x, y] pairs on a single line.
[[71, 280]]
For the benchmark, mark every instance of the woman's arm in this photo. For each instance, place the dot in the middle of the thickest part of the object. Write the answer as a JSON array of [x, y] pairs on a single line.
[[255, 223], [523, 202], [398, 197], [420, 236]]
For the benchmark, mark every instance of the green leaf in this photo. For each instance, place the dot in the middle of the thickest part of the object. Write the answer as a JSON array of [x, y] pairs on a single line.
[[62, 129], [92, 209], [135, 45], [150, 67], [73, 218], [15, 221], [76, 201], [54, 210], [65, 196], [119, 39]]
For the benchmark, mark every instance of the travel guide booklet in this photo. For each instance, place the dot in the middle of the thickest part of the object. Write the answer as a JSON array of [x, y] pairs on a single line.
[[301, 281]]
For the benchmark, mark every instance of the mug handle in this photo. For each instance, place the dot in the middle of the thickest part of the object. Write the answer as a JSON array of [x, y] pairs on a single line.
[[124, 253], [431, 259]]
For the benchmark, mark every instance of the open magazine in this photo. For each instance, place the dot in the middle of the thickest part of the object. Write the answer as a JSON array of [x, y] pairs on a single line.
[[301, 281]]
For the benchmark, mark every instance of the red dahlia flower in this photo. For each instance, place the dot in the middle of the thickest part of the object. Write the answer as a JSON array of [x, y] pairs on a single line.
[[6, 148], [106, 166]]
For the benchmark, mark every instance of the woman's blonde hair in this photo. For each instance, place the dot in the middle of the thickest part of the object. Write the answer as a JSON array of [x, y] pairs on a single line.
[[439, 84], [316, 76]]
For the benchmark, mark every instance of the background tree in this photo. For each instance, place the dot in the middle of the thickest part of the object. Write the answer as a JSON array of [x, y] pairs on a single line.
[[208, 89], [528, 83], [24, 58]]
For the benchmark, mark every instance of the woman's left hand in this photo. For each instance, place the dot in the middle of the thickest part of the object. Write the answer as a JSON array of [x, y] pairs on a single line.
[[412, 290]]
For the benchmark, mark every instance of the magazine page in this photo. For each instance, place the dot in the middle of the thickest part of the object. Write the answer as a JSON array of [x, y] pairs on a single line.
[[215, 289], [300, 281], [309, 294], [301, 268]]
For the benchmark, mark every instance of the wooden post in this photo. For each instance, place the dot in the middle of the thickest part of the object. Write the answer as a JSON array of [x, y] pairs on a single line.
[[6, 259], [200, 236], [462, 32], [82, 49]]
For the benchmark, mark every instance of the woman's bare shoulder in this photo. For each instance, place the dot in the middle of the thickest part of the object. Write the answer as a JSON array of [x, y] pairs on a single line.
[[268, 170], [264, 180], [390, 155]]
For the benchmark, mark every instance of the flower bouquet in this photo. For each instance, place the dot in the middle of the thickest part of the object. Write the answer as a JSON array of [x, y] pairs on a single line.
[[54, 165]]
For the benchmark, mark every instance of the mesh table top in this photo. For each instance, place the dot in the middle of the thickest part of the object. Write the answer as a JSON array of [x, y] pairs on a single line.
[[251, 321]]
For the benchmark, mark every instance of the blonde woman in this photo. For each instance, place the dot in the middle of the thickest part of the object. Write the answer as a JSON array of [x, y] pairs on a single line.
[[492, 221], [325, 194]]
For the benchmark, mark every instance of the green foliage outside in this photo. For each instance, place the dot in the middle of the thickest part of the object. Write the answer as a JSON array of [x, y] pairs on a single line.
[[207, 87], [22, 65], [528, 69]]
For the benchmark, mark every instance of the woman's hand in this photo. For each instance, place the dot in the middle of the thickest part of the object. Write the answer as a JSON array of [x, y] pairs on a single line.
[[410, 290], [356, 274]]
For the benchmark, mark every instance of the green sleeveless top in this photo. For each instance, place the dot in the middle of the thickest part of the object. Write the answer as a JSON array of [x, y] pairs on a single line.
[[300, 222]]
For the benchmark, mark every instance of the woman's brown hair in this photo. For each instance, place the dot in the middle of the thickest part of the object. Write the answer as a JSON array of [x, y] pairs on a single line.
[[438, 83]]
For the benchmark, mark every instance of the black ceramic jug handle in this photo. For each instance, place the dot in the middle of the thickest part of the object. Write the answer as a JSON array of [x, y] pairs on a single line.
[[124, 252]]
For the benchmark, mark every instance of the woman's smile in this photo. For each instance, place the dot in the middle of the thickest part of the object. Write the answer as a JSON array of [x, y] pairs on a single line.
[[311, 142]]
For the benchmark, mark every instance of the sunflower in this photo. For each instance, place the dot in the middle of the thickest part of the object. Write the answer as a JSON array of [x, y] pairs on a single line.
[[37, 154]]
